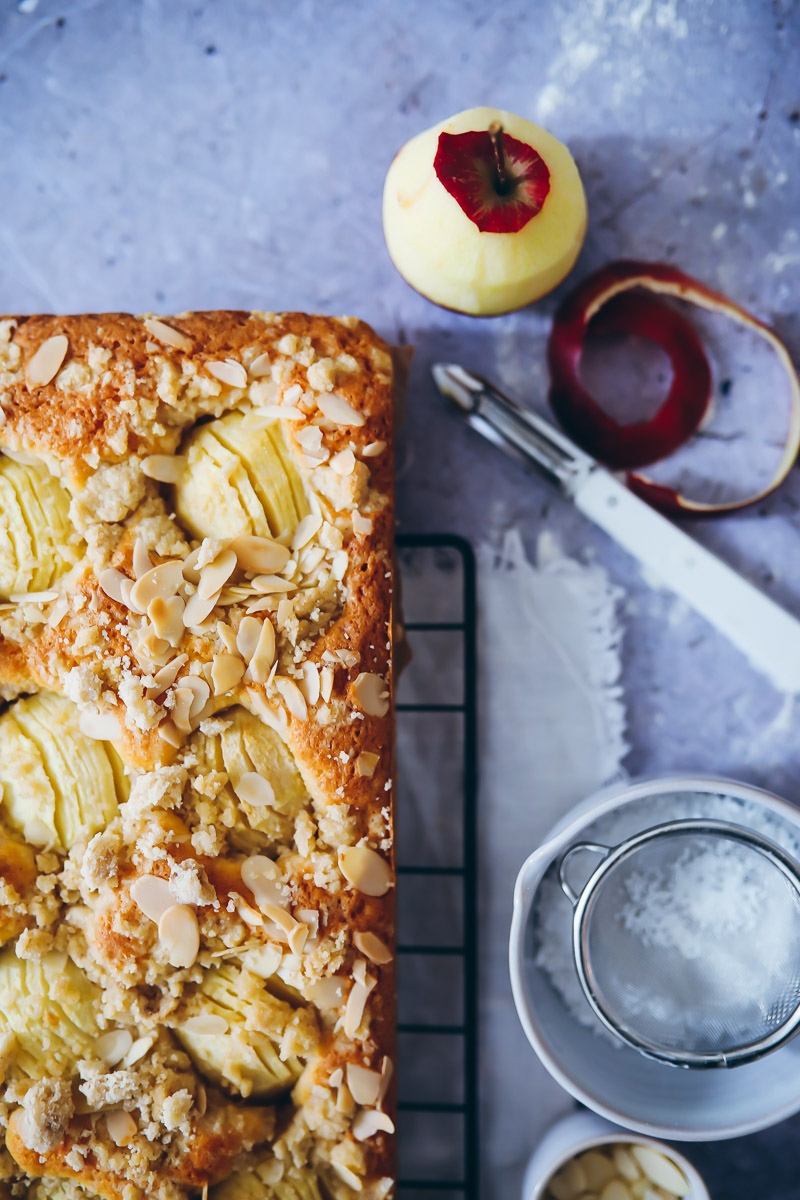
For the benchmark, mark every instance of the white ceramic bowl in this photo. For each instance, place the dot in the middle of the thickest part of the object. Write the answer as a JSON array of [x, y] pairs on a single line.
[[582, 1131], [618, 1082]]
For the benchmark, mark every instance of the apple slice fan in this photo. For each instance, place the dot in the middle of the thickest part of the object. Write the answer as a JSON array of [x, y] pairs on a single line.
[[486, 213]]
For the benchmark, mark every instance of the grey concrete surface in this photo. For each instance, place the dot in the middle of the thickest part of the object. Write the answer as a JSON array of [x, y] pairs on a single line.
[[164, 155]]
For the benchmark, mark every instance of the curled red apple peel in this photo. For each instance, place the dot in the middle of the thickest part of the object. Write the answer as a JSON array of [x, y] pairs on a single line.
[[632, 446]]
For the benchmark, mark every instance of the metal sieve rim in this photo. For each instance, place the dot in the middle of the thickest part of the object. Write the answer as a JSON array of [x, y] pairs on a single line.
[[582, 904]]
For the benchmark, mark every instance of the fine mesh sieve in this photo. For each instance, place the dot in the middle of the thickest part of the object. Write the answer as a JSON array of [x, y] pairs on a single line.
[[686, 941]]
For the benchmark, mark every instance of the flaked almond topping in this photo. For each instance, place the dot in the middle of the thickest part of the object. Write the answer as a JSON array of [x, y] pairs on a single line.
[[259, 554], [169, 732], [280, 917], [345, 1104], [228, 371], [373, 449], [200, 693], [142, 562], [298, 938], [216, 574], [371, 694], [181, 708], [227, 636], [272, 584], [326, 683], [263, 961], [260, 366], [293, 697], [370, 945], [205, 1025], [361, 525], [365, 869], [179, 934], [264, 654], [337, 409], [308, 528], [387, 1070], [247, 636], [198, 608], [112, 1047], [344, 463], [255, 790], [102, 725], [369, 1122], [46, 362], [274, 412], [348, 658], [354, 1009], [166, 334], [161, 581], [249, 915], [366, 763], [226, 672], [152, 895], [166, 468], [262, 877], [166, 676], [310, 558], [310, 438], [336, 1078], [122, 1128], [33, 597], [364, 1084], [138, 1050], [327, 994], [166, 617], [112, 582], [190, 571], [339, 564], [310, 683], [360, 974]]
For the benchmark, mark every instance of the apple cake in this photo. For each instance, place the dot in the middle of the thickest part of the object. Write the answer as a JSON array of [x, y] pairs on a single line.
[[196, 872]]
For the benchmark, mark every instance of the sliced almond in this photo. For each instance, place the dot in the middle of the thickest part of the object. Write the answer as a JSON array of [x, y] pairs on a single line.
[[336, 1078], [166, 617], [661, 1170], [216, 574], [190, 572], [337, 409], [142, 562], [371, 694], [46, 361], [308, 528], [226, 673], [310, 683], [259, 554], [339, 564], [198, 608], [279, 917], [262, 365], [327, 994], [364, 1084], [112, 1047], [387, 1070], [101, 725], [326, 683], [272, 584], [366, 763], [346, 1104], [344, 463], [279, 412], [369, 1122], [293, 697], [247, 636], [264, 654], [298, 938], [111, 582], [371, 946], [255, 790], [229, 372], [227, 636], [152, 895], [365, 869], [205, 1025], [34, 597], [373, 449], [310, 437], [159, 582], [310, 558], [179, 934], [200, 691], [264, 961], [361, 525], [166, 334], [181, 708], [138, 1050], [262, 877], [249, 915], [354, 1009], [122, 1128], [166, 468], [169, 732]]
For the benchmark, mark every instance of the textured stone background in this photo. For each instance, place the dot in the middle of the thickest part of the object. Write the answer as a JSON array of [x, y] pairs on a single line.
[[160, 156]]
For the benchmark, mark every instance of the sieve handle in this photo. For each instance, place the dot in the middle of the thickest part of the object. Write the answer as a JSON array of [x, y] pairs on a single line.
[[566, 886]]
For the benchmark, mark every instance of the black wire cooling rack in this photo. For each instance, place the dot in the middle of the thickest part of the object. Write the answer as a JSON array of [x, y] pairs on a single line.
[[438, 1117]]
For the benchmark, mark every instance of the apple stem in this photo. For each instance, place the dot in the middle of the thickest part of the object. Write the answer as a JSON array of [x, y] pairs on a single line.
[[502, 183]]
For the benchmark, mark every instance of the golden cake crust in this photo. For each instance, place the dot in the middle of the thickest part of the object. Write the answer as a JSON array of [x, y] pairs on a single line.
[[127, 389]]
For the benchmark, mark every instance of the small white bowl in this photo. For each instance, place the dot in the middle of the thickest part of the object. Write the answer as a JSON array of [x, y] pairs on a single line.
[[619, 1083], [582, 1131]]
